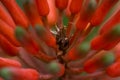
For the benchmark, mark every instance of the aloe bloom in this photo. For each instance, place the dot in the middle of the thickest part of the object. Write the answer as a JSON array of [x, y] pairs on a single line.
[[59, 39]]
